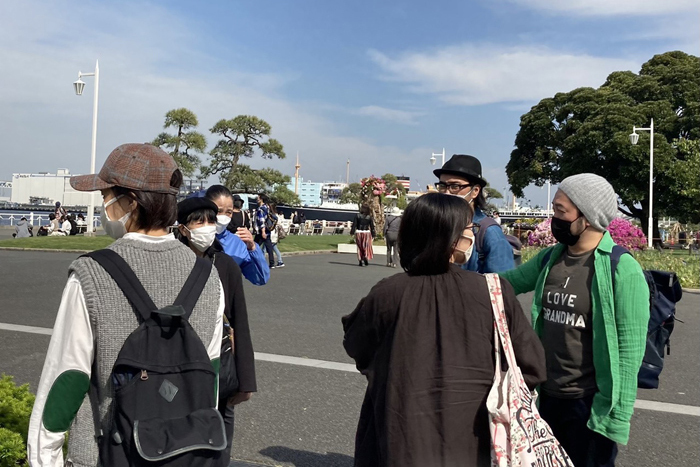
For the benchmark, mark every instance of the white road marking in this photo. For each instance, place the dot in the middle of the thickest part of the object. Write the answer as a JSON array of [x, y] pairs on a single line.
[[347, 367]]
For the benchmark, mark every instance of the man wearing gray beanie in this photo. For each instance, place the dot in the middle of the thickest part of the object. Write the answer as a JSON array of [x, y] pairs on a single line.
[[593, 333]]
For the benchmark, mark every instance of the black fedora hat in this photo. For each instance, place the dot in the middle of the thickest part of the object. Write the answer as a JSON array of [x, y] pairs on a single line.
[[463, 165]]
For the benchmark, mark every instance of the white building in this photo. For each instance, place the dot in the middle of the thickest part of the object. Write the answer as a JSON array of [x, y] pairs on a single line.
[[47, 186], [5, 191]]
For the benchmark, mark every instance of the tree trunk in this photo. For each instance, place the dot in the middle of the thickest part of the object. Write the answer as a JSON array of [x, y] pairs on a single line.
[[377, 214]]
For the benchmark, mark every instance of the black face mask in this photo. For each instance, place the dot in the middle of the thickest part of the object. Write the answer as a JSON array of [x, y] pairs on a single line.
[[561, 231]]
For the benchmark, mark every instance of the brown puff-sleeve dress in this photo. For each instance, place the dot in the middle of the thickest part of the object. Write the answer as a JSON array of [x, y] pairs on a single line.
[[425, 344]]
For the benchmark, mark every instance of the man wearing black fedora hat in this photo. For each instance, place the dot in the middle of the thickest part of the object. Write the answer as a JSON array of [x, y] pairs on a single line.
[[461, 176]]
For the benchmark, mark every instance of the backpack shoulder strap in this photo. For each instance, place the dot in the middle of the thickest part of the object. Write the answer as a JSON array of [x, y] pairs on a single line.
[[126, 279], [194, 285], [484, 224]]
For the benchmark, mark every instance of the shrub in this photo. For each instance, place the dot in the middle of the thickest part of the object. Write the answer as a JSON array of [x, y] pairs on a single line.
[[16, 404], [542, 235], [13, 451], [627, 234]]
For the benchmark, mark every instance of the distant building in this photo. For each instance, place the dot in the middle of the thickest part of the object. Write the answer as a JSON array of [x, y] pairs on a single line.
[[47, 188], [309, 192], [5, 191], [331, 191], [405, 181]]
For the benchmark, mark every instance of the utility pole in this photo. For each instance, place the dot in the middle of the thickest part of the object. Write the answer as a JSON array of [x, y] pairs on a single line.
[[296, 176], [347, 173]]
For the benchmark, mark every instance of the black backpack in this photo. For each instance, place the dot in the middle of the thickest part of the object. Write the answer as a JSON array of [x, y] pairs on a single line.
[[484, 224], [664, 292], [164, 408], [73, 226]]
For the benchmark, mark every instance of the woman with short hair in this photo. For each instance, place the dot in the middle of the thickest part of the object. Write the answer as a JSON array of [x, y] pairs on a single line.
[[138, 183], [425, 341], [196, 219]]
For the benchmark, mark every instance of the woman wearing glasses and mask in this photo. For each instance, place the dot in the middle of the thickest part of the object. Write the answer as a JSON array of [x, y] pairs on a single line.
[[424, 340], [461, 176]]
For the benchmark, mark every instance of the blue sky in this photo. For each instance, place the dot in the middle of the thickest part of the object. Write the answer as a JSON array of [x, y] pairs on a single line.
[[383, 84]]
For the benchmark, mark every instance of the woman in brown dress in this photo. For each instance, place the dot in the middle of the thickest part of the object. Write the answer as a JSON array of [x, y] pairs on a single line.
[[424, 340]]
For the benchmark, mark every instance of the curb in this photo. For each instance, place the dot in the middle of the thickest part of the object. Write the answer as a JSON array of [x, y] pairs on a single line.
[[694, 291], [43, 250], [53, 250]]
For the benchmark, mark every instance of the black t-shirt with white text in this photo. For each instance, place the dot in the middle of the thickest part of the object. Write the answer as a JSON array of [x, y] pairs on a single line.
[[567, 333]]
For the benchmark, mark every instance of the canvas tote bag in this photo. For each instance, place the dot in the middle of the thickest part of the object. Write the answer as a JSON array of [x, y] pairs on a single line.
[[519, 436]]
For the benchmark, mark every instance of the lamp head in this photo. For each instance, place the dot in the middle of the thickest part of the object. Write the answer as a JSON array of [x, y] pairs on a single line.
[[634, 138], [432, 159], [79, 85]]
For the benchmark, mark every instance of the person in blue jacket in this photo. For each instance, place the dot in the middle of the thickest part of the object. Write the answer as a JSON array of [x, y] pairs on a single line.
[[461, 176], [240, 245]]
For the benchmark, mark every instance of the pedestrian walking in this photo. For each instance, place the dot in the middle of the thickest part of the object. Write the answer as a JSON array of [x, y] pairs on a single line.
[[424, 339], [239, 217], [364, 232], [593, 326], [240, 245], [196, 219], [391, 235], [127, 404], [264, 224], [461, 176], [277, 234]]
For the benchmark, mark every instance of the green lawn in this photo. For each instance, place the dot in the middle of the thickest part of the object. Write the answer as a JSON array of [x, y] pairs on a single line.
[[289, 244]]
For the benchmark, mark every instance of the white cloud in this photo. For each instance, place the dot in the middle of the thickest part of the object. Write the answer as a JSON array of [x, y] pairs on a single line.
[[474, 74], [390, 115], [611, 7], [150, 62]]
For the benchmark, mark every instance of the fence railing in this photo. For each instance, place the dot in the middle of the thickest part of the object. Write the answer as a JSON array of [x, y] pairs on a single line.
[[34, 219]]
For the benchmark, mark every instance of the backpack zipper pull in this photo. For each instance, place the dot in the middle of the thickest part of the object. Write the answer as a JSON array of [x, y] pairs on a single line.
[[144, 375]]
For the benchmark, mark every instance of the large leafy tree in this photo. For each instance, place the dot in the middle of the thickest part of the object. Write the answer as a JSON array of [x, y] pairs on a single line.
[[186, 143], [351, 194], [241, 137], [587, 130]]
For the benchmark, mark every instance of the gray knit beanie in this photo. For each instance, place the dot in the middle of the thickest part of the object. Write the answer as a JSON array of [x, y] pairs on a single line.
[[593, 196]]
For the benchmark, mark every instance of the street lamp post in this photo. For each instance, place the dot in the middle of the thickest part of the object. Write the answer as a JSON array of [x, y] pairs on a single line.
[[79, 85], [433, 159], [634, 138]]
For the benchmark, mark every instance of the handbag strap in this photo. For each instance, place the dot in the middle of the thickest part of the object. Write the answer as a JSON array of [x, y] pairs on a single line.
[[501, 323]]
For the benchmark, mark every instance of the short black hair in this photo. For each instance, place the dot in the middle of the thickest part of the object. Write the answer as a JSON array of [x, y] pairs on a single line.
[[217, 191], [153, 210], [238, 203], [430, 228], [364, 210], [265, 199], [52, 216]]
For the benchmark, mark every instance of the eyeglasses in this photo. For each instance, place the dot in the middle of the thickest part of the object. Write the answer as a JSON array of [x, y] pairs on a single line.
[[474, 228], [453, 188]]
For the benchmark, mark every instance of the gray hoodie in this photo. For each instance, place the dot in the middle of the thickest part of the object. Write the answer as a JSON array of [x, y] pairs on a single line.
[[23, 228]]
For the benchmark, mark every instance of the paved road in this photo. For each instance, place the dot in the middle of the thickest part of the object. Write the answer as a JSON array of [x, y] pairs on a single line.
[[306, 416]]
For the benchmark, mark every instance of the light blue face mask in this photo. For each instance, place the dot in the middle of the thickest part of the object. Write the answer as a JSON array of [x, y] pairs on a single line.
[[115, 229]]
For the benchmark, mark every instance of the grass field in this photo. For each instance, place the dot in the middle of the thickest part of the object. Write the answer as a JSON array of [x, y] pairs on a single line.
[[289, 244]]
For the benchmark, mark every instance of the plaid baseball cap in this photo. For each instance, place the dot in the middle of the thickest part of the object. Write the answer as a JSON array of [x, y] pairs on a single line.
[[138, 166]]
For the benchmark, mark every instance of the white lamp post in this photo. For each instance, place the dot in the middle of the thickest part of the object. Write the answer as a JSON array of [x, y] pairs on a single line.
[[634, 138], [79, 85], [433, 159]]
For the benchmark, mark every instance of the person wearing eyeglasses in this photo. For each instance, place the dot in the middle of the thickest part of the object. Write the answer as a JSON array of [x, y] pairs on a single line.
[[461, 176], [424, 341]]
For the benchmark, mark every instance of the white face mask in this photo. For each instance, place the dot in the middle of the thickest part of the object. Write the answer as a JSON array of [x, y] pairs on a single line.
[[202, 237], [221, 223], [467, 253], [464, 196], [115, 229]]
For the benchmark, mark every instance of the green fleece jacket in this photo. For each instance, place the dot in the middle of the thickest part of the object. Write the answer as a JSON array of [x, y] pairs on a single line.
[[619, 330]]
